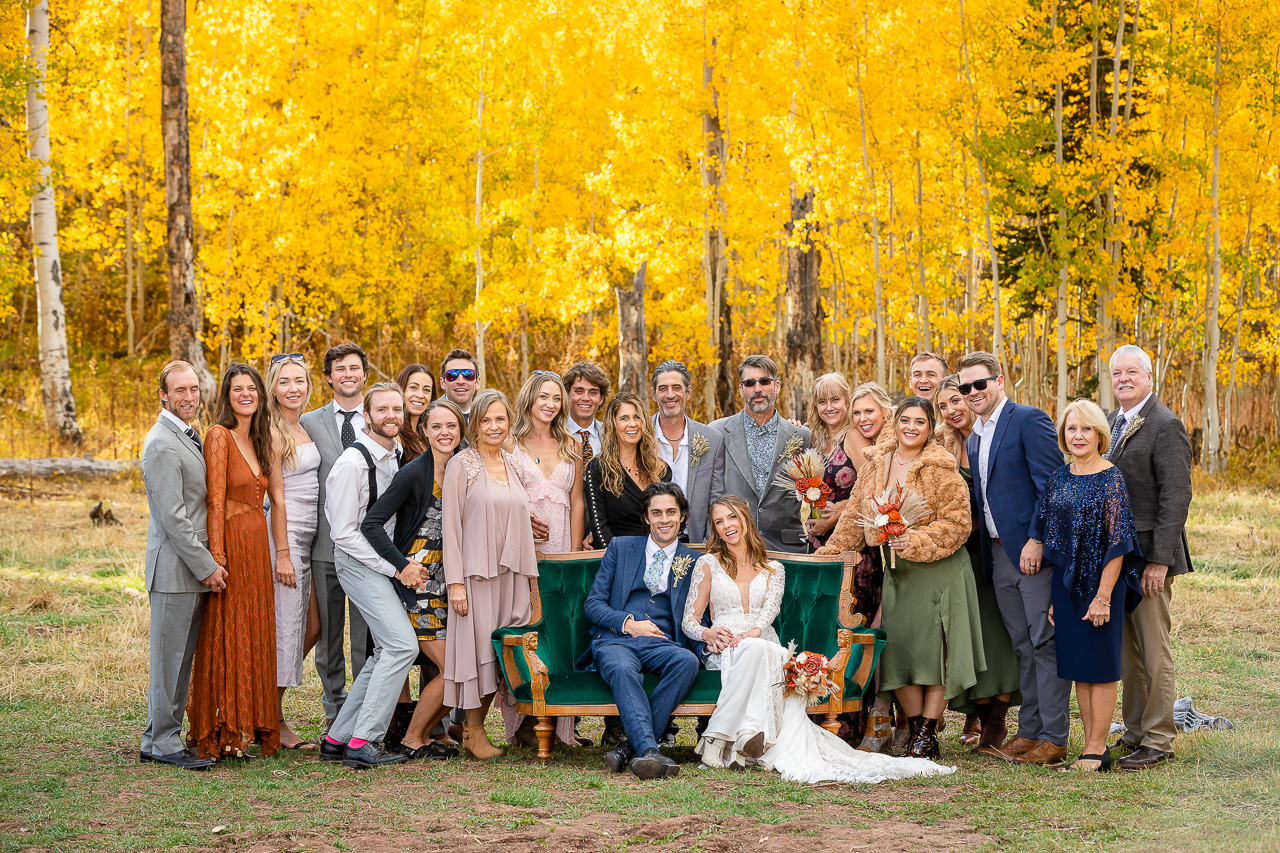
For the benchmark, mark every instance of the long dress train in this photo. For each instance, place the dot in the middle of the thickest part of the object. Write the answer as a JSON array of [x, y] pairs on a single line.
[[752, 698]]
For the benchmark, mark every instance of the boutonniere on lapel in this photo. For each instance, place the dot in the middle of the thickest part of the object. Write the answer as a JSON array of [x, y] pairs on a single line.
[[793, 446], [680, 568], [698, 445], [1132, 427]]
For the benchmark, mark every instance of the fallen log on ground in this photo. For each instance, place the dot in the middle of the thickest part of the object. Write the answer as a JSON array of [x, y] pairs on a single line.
[[70, 466]]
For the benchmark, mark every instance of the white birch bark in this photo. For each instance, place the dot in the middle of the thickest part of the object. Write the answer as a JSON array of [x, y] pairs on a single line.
[[55, 366]]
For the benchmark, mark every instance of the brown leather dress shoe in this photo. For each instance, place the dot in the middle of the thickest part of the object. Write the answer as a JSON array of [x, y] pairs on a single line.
[[1045, 754], [1011, 749], [1144, 758], [972, 732]]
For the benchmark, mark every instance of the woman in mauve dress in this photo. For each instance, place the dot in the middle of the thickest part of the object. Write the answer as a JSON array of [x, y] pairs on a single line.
[[489, 560]]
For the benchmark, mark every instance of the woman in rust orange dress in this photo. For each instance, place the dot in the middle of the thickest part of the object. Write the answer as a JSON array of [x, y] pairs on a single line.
[[233, 678]]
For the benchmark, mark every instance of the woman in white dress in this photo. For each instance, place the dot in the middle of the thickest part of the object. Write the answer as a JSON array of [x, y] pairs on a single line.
[[755, 722], [297, 616]]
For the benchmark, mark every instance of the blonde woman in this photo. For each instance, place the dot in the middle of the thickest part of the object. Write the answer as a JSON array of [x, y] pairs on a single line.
[[489, 561], [868, 413], [551, 459], [830, 425], [298, 460], [755, 722], [615, 480]]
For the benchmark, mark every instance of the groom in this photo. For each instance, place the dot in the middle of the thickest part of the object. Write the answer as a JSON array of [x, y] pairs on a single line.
[[635, 607]]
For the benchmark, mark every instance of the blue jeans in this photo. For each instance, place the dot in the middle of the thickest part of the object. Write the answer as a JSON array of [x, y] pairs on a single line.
[[623, 662]]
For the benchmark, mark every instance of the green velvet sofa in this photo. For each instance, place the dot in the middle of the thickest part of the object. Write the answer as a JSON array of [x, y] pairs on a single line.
[[537, 659]]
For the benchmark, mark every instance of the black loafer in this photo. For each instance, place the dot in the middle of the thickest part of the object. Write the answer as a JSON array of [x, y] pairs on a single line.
[[1144, 758], [651, 765], [331, 751], [184, 760], [369, 755], [619, 757], [669, 767], [144, 757]]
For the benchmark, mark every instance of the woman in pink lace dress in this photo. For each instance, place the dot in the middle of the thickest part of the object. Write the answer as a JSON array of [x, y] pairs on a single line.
[[550, 460]]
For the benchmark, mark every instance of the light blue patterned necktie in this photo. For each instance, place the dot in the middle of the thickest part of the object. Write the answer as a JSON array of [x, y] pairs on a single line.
[[653, 574], [1117, 432]]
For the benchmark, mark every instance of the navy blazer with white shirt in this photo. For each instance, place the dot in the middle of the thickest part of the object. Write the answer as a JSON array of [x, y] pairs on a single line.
[[623, 560], [1023, 456]]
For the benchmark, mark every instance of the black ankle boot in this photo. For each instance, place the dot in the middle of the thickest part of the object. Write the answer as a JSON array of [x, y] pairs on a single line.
[[925, 742]]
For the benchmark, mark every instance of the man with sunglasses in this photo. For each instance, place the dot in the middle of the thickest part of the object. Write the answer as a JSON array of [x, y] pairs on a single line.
[[1014, 451], [334, 427], [460, 373], [755, 440]]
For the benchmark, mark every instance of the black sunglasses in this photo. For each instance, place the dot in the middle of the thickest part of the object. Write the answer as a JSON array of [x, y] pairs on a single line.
[[546, 373], [453, 374], [764, 382], [976, 385], [276, 359]]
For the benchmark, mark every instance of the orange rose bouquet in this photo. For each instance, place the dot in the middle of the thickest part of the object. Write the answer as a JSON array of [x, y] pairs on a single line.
[[897, 509], [807, 674], [801, 473]]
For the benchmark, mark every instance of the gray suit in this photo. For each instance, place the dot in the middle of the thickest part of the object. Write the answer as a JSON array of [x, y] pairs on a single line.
[[331, 662], [1156, 463], [776, 512], [706, 477], [178, 559]]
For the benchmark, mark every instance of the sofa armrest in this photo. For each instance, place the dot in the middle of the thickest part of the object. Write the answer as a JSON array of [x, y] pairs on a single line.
[[867, 643], [835, 669], [520, 663]]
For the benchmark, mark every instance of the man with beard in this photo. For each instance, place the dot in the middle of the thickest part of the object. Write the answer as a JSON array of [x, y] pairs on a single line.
[[460, 376], [755, 441], [362, 472], [693, 450]]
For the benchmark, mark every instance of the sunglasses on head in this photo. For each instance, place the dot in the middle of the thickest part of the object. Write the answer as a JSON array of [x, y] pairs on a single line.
[[763, 382], [976, 385], [453, 374], [276, 359], [546, 373]]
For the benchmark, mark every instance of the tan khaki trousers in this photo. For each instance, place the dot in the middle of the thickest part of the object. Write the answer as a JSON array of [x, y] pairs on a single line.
[[1146, 666]]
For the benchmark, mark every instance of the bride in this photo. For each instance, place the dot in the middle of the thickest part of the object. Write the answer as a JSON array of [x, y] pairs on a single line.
[[755, 723]]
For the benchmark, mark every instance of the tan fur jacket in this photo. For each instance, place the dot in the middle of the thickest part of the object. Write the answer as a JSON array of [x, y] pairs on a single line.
[[950, 438], [942, 531]]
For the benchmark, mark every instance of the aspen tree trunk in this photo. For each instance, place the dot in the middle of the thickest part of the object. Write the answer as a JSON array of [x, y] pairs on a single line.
[[184, 318], [479, 225], [870, 206], [997, 337], [1213, 437], [633, 356], [804, 356], [55, 364], [1060, 324], [1229, 443], [130, 331], [925, 342], [719, 384]]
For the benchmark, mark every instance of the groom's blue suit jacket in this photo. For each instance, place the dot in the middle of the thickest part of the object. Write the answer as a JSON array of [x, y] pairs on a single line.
[[621, 571]]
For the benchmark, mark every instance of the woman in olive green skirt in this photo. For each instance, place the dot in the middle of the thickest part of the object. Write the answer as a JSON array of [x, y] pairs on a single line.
[[986, 703], [929, 608]]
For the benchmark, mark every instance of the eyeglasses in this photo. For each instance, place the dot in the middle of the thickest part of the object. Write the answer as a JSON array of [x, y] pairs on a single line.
[[290, 356], [976, 385], [763, 382], [453, 374], [546, 373]]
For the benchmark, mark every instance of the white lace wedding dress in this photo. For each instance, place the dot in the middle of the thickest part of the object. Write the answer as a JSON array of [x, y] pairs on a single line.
[[752, 698]]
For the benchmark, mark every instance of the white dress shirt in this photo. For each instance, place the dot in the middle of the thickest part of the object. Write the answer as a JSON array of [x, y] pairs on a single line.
[[165, 413], [1128, 413], [986, 437], [679, 460], [593, 434], [651, 548], [357, 421], [347, 499]]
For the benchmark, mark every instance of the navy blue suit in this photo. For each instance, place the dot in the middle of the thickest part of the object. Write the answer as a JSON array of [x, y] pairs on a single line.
[[619, 592], [1024, 454]]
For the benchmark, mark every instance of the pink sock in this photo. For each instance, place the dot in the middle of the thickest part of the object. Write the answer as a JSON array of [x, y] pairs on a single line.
[[334, 742], [357, 742]]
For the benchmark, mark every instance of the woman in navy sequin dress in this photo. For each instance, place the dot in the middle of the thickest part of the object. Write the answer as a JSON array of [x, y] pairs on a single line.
[[1086, 529]]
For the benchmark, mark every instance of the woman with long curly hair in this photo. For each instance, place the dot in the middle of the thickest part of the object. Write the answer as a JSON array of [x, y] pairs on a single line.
[[628, 462], [552, 461], [233, 679]]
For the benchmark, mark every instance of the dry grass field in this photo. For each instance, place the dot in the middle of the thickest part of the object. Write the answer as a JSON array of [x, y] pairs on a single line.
[[73, 623]]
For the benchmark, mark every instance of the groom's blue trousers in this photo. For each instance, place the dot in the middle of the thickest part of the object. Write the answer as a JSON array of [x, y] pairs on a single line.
[[623, 662]]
